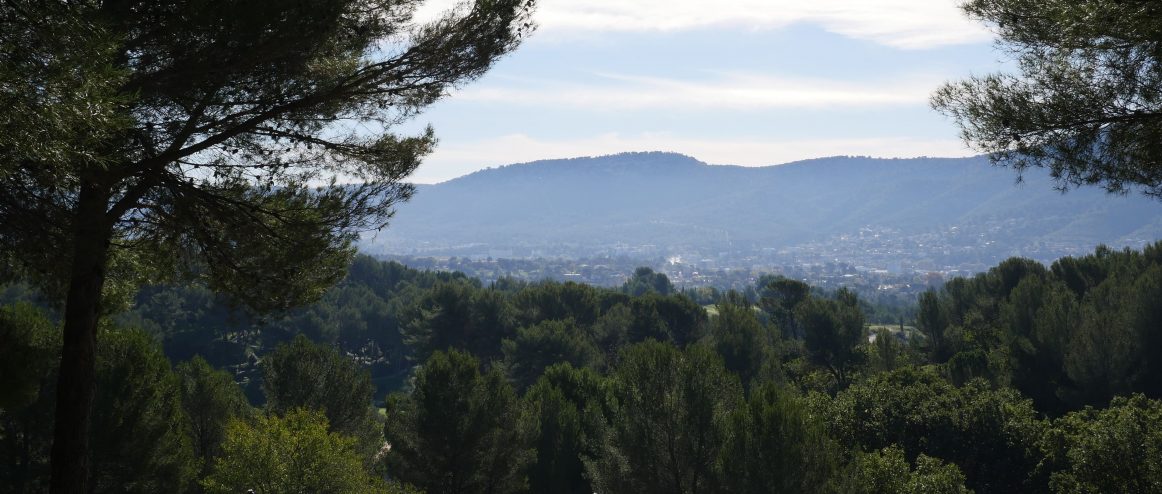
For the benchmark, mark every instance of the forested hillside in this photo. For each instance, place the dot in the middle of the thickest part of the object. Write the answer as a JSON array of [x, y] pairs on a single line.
[[621, 202], [191, 193], [1026, 378]]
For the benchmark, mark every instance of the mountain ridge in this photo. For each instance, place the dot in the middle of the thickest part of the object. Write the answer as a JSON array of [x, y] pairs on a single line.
[[675, 202]]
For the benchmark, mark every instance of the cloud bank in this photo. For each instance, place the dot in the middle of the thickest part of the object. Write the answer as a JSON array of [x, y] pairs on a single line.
[[905, 24], [731, 91]]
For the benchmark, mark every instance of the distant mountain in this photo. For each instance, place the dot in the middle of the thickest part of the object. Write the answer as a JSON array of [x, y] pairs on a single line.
[[672, 203]]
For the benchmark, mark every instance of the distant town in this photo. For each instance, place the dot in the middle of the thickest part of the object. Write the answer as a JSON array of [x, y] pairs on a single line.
[[873, 260]]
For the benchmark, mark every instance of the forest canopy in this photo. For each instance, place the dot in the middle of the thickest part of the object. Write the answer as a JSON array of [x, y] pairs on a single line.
[[1001, 382]]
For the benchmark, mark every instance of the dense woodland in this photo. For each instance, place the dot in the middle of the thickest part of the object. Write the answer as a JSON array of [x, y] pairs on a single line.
[[227, 148], [1025, 378]]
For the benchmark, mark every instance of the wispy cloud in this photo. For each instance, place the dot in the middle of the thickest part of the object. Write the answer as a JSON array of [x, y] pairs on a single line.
[[730, 92], [907, 24], [464, 157]]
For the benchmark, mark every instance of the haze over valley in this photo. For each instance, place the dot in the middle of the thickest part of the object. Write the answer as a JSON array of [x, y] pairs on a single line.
[[874, 216]]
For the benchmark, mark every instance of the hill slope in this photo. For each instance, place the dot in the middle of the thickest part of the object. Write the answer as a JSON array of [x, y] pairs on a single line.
[[677, 204]]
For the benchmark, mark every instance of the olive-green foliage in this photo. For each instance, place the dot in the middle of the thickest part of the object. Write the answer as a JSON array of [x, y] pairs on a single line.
[[570, 407], [833, 334], [558, 302], [140, 435], [778, 296], [208, 140], [188, 320], [123, 94], [1114, 349], [1040, 315], [1117, 449], [673, 318], [210, 399], [295, 453], [990, 434], [775, 445], [886, 471], [29, 345], [667, 431], [645, 280], [965, 326], [458, 431], [302, 374], [459, 316], [362, 316], [348, 315], [611, 331], [931, 320], [744, 343], [539, 346], [1086, 103], [887, 351], [1077, 334]]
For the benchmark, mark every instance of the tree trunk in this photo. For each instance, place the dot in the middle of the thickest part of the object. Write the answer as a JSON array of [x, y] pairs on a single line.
[[77, 379]]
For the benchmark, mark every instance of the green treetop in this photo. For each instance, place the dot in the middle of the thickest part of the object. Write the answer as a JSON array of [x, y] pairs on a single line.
[[208, 139], [1087, 103]]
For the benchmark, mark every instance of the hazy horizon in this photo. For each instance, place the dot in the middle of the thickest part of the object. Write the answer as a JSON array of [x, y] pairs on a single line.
[[696, 158]]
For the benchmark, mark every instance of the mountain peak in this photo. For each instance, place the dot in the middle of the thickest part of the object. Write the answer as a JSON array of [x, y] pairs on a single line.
[[627, 162], [668, 201]]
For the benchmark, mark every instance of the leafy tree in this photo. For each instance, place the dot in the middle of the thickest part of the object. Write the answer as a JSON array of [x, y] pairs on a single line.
[[558, 466], [774, 444], [1146, 319], [1039, 317], [188, 319], [833, 334], [302, 374], [1118, 449], [211, 400], [645, 280], [292, 454], [646, 322], [667, 318], [570, 406], [1087, 102], [933, 323], [537, 347], [29, 343], [1083, 273], [558, 302], [459, 316], [887, 353], [668, 429], [611, 331], [989, 434], [779, 296], [1101, 357], [886, 471], [141, 435], [741, 340], [458, 431], [203, 140], [1077, 334], [978, 350]]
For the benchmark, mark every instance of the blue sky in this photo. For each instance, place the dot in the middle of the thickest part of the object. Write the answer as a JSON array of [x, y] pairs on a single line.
[[744, 82]]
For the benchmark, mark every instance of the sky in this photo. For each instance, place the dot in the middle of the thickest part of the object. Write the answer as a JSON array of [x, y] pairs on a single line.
[[739, 82]]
